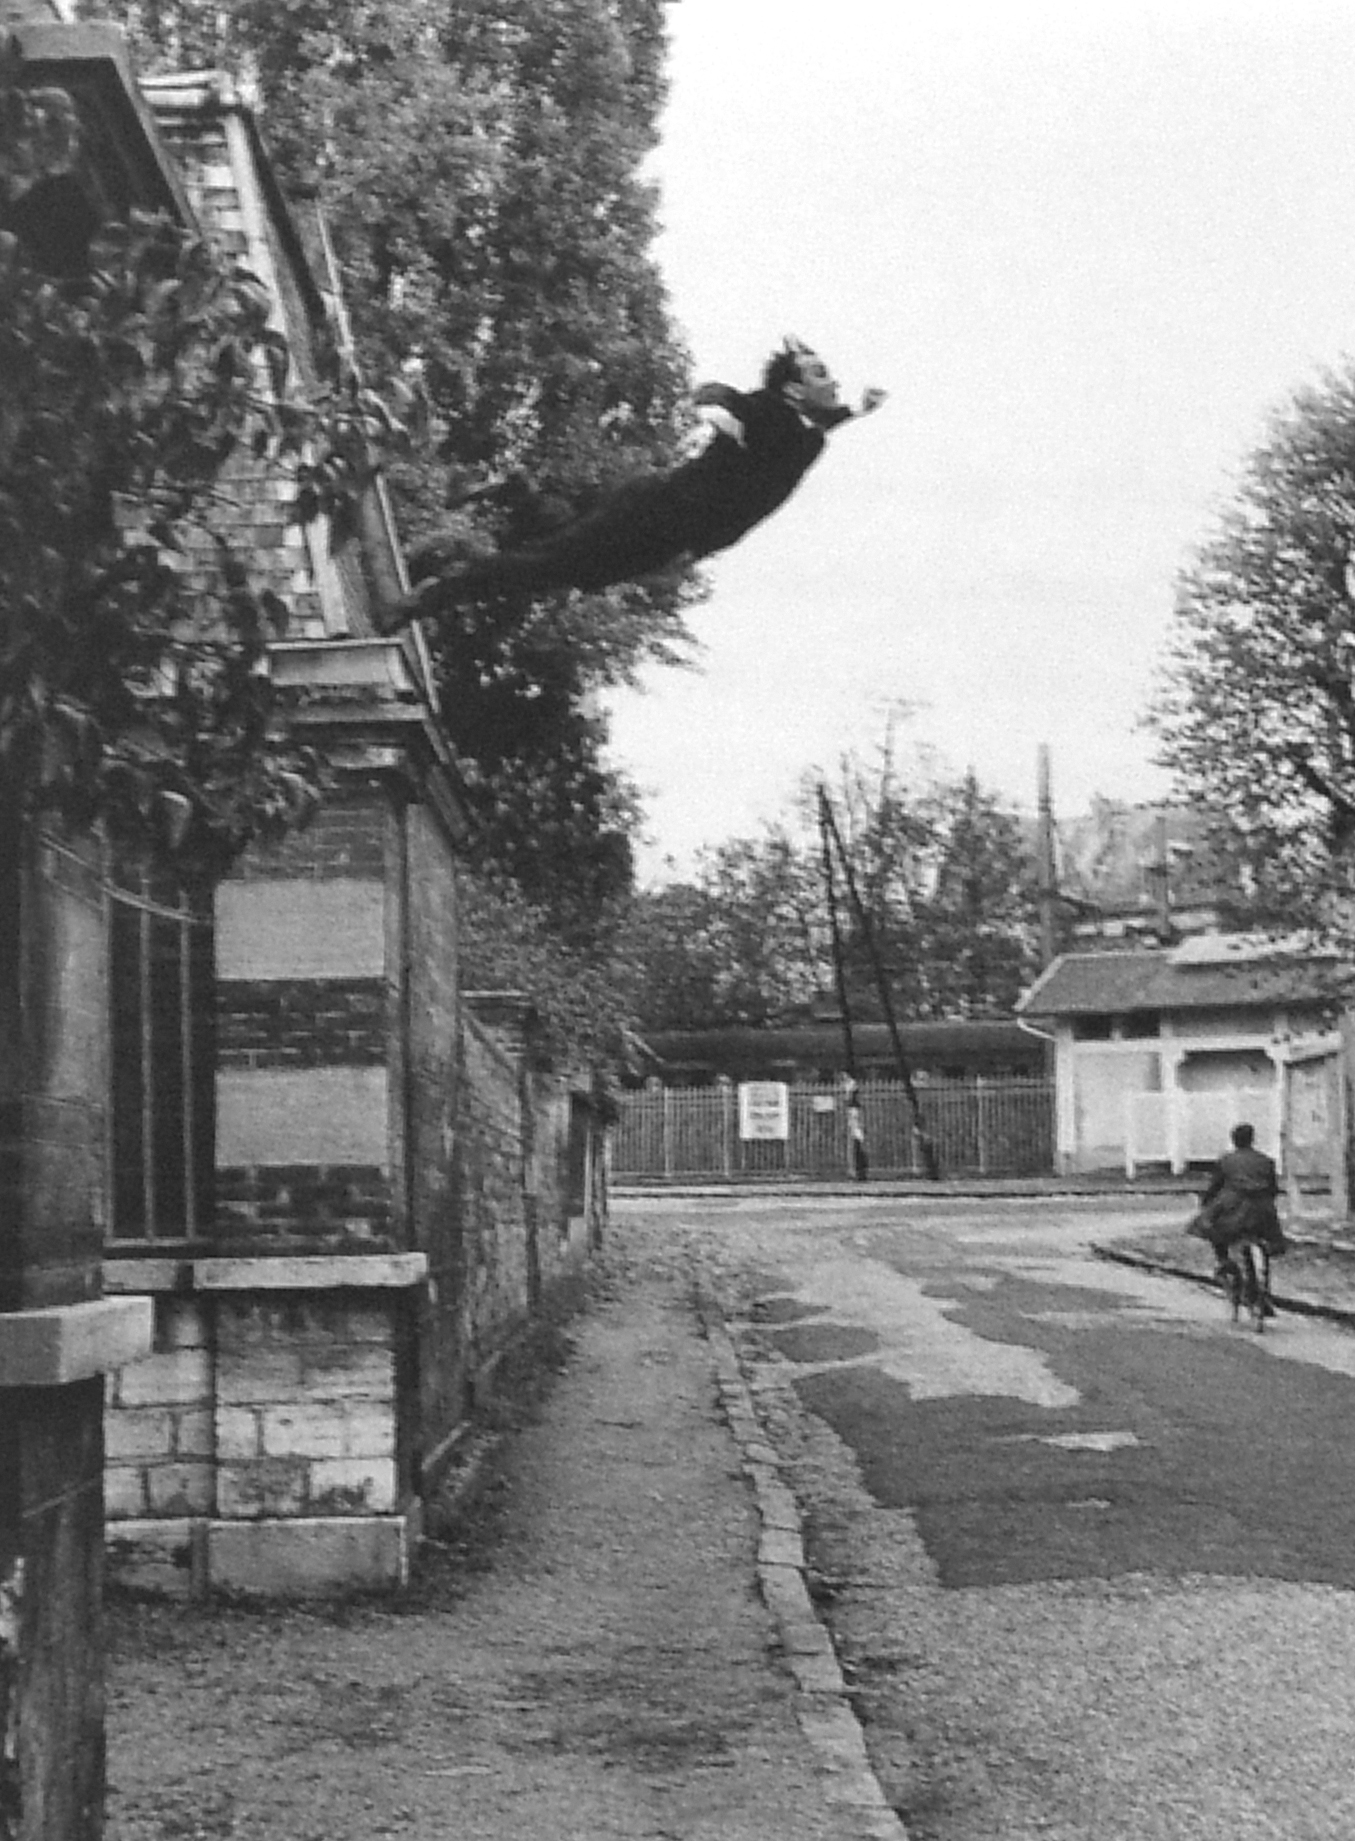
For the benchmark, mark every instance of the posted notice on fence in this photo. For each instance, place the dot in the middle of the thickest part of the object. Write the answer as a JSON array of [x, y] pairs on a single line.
[[764, 1109]]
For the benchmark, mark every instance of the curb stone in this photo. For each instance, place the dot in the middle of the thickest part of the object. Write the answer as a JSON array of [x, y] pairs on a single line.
[[824, 1711], [1301, 1307]]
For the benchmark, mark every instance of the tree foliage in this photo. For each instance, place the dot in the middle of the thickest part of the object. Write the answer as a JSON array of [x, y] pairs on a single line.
[[479, 164], [743, 942], [1254, 709], [945, 878], [131, 635], [580, 993]]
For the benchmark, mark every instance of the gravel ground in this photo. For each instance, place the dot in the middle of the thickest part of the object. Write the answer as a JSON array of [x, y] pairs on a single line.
[[588, 1659]]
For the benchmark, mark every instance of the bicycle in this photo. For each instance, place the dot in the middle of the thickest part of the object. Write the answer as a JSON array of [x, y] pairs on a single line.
[[1244, 1272]]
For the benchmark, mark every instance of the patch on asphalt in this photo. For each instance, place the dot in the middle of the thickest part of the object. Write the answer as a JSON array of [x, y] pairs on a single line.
[[783, 1309], [824, 1342], [1079, 1441]]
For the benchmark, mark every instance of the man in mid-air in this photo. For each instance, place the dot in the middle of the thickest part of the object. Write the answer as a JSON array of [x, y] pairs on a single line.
[[761, 443]]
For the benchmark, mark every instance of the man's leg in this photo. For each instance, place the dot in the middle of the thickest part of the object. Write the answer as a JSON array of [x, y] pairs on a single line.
[[1249, 1285]]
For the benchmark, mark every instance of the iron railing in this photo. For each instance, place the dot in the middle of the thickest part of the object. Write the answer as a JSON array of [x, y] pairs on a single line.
[[979, 1127]]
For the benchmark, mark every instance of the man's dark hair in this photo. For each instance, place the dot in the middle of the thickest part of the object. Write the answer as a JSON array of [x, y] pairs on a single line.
[[782, 368], [1243, 1136]]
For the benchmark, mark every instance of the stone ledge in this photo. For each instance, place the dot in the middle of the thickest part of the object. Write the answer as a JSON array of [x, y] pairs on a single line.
[[312, 1272], [137, 1275], [307, 1557], [267, 1272], [73, 1342]]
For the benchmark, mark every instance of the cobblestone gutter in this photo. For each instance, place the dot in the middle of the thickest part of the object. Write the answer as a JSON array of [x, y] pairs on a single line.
[[824, 1710]]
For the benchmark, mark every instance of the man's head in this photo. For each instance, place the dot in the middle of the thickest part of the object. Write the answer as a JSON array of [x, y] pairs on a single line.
[[1243, 1136], [800, 375]]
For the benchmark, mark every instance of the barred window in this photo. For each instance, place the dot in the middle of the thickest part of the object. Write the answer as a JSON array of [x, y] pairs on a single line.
[[163, 1058]]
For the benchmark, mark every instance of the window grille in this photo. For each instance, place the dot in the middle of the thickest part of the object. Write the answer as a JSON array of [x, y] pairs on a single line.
[[163, 1056]]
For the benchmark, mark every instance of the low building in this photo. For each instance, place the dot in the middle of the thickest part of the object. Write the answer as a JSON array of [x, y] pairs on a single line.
[[1158, 1054], [816, 1050]]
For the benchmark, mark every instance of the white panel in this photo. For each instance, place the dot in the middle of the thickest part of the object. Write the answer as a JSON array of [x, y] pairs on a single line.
[[328, 928], [302, 1115]]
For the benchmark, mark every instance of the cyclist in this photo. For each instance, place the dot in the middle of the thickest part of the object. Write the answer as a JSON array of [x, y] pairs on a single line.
[[1238, 1207]]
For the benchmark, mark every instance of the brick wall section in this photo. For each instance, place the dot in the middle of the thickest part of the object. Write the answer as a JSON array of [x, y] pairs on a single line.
[[304, 1208], [349, 836], [490, 1194], [158, 1430], [303, 1022], [300, 1023]]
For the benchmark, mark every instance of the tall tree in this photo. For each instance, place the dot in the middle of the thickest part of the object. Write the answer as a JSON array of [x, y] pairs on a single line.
[[946, 881], [1254, 709], [979, 920], [479, 164]]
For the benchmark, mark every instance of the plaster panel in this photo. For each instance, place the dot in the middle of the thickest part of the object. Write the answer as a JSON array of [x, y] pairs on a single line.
[[302, 1116], [323, 928]]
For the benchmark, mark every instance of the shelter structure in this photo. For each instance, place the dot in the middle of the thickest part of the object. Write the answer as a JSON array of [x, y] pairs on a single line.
[[1157, 1054]]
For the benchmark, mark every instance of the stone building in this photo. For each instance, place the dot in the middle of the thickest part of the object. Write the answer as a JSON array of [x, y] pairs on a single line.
[[387, 1178], [277, 1194]]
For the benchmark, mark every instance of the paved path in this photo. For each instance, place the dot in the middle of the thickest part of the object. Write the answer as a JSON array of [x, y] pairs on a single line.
[[1081, 1542], [625, 1650]]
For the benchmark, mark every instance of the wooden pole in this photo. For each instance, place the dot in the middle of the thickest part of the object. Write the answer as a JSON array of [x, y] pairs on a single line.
[[1048, 876], [858, 1162], [924, 1142]]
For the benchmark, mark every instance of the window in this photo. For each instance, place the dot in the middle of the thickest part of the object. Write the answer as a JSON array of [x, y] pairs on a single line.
[[1142, 1024], [163, 1056], [1091, 1029]]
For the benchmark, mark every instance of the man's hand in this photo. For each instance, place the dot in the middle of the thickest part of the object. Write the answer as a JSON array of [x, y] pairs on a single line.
[[871, 400]]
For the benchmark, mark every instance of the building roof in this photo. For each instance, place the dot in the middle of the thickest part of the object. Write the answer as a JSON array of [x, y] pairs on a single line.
[[1124, 859], [1225, 972]]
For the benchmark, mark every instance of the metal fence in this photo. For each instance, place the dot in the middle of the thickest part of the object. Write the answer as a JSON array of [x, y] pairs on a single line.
[[979, 1127]]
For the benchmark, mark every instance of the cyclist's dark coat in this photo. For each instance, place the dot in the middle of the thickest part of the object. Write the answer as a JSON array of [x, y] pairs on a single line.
[[1240, 1200]]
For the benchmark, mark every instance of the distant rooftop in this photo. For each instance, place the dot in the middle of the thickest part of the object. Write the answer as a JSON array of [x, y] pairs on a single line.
[[1201, 974]]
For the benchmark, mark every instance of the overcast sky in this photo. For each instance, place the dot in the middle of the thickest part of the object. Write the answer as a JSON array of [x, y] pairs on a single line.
[[1085, 247]]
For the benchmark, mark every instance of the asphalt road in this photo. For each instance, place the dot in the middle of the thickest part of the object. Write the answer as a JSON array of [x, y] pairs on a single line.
[[1088, 1548]]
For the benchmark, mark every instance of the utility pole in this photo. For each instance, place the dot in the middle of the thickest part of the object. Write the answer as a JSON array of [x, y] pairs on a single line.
[[1160, 875], [857, 1159], [1047, 870], [924, 1142]]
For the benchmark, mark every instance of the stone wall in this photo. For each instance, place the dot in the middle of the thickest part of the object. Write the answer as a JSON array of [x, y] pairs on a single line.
[[521, 1226], [256, 1448]]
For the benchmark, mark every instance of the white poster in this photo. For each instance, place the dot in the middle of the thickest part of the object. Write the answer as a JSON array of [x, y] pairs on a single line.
[[764, 1109]]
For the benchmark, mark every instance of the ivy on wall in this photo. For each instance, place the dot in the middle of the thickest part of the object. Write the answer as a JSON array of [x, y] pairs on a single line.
[[134, 389]]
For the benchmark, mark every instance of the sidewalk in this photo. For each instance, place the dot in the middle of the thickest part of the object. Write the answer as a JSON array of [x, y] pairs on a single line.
[[620, 1643], [1315, 1278]]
